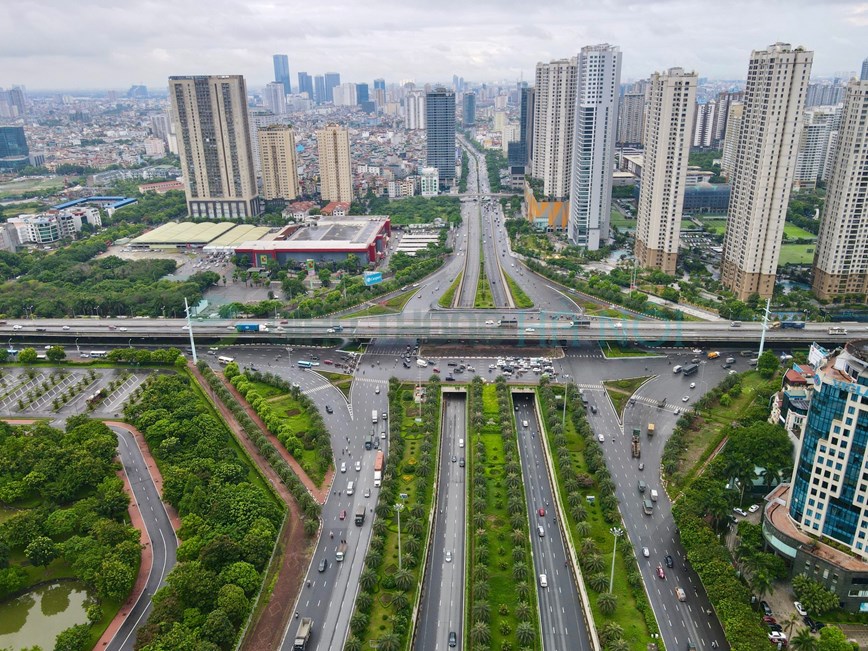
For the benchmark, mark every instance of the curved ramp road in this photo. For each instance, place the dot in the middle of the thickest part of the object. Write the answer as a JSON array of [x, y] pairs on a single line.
[[163, 542]]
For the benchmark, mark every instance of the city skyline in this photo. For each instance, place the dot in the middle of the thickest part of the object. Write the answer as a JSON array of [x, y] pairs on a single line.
[[476, 42]]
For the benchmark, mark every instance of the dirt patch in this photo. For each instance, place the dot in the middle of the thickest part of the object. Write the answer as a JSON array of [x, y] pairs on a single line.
[[292, 412]]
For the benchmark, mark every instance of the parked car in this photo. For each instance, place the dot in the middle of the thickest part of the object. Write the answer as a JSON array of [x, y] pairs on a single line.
[[753, 508], [741, 512], [766, 608], [800, 608]]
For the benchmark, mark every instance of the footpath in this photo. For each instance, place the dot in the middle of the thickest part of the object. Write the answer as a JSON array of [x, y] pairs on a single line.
[[294, 551]]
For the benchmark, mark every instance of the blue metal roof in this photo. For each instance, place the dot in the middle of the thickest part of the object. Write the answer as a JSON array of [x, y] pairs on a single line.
[[114, 202]]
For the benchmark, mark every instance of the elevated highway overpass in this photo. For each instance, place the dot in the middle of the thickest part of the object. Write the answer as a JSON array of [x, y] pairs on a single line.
[[516, 327]]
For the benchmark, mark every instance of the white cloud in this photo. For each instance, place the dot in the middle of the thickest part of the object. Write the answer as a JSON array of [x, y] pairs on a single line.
[[106, 43]]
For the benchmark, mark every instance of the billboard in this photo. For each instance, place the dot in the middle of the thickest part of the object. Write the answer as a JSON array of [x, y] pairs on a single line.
[[373, 277]]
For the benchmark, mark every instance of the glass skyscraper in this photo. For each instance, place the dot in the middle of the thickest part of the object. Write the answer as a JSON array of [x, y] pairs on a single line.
[[14, 153], [830, 479], [440, 127], [281, 72]]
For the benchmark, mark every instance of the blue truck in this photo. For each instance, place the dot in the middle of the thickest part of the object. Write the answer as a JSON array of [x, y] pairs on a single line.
[[793, 325], [251, 327]]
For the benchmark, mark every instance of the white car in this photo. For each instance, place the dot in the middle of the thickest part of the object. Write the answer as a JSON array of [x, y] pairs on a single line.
[[645, 552], [448, 556], [65, 328], [17, 327], [601, 438], [358, 466], [330, 330], [377, 390], [741, 512], [777, 636], [344, 466], [685, 398], [693, 385], [543, 581], [529, 330], [619, 325], [489, 322], [800, 608], [382, 435], [753, 509]]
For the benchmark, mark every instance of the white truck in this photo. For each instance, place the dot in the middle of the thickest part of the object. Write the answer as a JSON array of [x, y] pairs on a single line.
[[341, 553], [421, 363], [374, 417]]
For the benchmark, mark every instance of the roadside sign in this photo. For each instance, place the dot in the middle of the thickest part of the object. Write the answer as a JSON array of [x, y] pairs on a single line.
[[373, 277]]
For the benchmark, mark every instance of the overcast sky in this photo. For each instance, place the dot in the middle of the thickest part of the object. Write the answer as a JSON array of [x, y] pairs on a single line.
[[68, 44]]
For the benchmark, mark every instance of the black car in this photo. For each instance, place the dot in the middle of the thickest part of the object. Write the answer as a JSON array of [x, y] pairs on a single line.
[[766, 608], [449, 378], [315, 357], [593, 409], [461, 462], [453, 639], [329, 409], [669, 561], [454, 458], [775, 627], [323, 564]]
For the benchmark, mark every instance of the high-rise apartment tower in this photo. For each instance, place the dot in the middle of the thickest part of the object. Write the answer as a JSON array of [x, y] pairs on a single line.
[[765, 160], [554, 112], [336, 178], [277, 161], [440, 128]]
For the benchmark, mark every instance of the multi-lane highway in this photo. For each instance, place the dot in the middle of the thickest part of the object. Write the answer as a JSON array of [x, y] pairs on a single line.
[[561, 618], [680, 622], [442, 609], [163, 542]]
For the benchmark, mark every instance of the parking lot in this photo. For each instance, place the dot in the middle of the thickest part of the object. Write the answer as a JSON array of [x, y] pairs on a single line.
[[47, 392]]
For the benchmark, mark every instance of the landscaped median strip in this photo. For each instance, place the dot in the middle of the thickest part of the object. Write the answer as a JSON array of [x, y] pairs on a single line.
[[581, 472], [499, 591]]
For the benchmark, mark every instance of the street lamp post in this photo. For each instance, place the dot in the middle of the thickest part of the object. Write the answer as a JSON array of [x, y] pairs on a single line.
[[616, 533], [398, 508]]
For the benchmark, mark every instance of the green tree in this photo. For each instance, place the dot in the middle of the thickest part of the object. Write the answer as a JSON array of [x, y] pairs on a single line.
[[804, 640], [832, 639], [767, 364], [815, 597], [27, 356], [389, 642], [480, 633], [41, 551], [219, 629], [607, 602], [525, 633], [55, 354], [115, 580], [232, 601], [75, 638]]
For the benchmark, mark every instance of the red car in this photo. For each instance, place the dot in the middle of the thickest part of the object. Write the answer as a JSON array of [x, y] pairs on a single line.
[[660, 572], [327, 362], [541, 512], [768, 619], [343, 515], [435, 369]]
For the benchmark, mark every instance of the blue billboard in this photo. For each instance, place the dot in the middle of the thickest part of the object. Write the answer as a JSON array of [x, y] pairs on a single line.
[[373, 277]]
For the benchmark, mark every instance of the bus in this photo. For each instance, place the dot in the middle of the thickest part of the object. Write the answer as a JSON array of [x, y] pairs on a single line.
[[225, 360], [304, 364], [98, 353]]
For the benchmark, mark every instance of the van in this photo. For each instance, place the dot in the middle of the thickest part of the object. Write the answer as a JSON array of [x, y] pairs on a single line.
[[676, 368], [460, 443], [541, 531], [730, 360], [648, 507], [543, 581], [654, 494], [351, 487], [735, 324], [642, 486]]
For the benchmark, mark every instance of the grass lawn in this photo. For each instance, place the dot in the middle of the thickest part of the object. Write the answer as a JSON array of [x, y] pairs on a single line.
[[341, 380], [17, 187], [290, 412], [398, 302], [796, 254], [615, 350], [390, 306], [373, 310], [621, 390], [707, 432], [636, 633], [484, 300], [793, 232], [265, 390], [522, 300], [621, 222], [716, 225], [447, 298]]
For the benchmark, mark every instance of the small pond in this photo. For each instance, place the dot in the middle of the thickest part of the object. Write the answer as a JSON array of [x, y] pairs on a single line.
[[36, 618]]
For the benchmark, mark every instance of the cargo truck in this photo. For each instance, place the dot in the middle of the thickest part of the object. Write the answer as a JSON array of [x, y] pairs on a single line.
[[251, 327], [374, 418], [379, 462], [341, 553], [360, 515], [302, 635], [650, 430], [635, 445]]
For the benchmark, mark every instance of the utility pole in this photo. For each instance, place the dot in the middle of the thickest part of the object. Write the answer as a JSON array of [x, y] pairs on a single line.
[[190, 331], [764, 328], [616, 533]]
